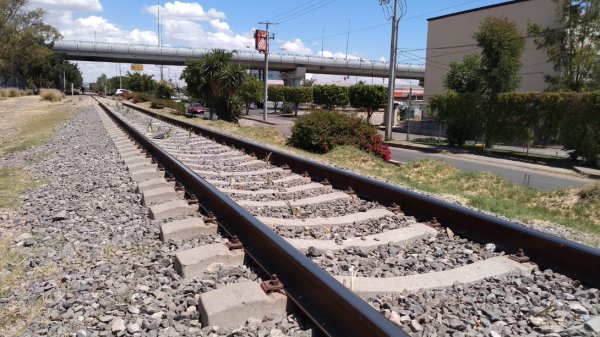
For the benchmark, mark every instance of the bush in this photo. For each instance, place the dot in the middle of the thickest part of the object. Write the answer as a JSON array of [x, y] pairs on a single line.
[[164, 90], [13, 92], [288, 107], [51, 95], [178, 107], [320, 131], [297, 95], [330, 96]]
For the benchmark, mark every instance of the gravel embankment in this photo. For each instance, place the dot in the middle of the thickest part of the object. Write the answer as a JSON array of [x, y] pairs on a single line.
[[111, 275]]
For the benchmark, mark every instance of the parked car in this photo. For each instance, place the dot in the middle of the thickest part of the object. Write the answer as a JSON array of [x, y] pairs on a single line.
[[120, 92], [196, 109]]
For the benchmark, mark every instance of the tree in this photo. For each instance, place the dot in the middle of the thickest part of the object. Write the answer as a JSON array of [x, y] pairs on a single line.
[[276, 95], [330, 95], [251, 91], [370, 97], [298, 95], [102, 84], [164, 90], [573, 48], [463, 77], [140, 82], [501, 48], [23, 38], [214, 79]]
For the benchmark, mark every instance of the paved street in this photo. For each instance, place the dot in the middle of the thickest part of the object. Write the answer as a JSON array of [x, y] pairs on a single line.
[[537, 176]]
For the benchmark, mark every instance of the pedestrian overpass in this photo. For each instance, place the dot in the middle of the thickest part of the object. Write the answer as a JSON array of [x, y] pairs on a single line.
[[295, 66]]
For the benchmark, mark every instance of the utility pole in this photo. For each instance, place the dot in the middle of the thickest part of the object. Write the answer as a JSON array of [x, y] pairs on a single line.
[[266, 73], [389, 111], [347, 39], [159, 33]]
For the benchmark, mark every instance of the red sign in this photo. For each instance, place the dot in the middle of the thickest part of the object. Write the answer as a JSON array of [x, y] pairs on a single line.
[[261, 41]]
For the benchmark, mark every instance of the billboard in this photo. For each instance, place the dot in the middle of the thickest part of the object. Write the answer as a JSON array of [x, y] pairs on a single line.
[[261, 41], [137, 67]]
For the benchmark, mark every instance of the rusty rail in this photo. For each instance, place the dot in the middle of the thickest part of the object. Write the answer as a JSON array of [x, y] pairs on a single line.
[[548, 251], [334, 309]]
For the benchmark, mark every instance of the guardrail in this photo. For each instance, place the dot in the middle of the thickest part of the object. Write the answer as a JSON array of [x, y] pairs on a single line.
[[176, 55]]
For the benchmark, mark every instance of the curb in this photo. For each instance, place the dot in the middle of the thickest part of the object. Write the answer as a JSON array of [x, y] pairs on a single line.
[[586, 174], [437, 150], [259, 121]]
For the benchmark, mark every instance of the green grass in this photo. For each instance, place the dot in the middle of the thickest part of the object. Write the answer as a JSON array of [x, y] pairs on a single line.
[[578, 208]]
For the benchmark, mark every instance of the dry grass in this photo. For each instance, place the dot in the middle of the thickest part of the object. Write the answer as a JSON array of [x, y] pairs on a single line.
[[13, 182], [31, 128], [578, 208], [14, 92], [51, 95], [15, 278]]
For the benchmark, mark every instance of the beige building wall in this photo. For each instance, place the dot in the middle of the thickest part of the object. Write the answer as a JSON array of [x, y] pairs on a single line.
[[450, 37]]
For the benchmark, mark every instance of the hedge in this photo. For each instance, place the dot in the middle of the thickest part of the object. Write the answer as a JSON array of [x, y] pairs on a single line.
[[573, 119], [330, 96]]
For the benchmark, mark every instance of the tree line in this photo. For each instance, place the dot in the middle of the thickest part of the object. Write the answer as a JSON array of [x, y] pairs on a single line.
[[26, 49]]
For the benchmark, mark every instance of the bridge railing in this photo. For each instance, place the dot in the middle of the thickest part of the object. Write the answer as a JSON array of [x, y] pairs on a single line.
[[241, 55]]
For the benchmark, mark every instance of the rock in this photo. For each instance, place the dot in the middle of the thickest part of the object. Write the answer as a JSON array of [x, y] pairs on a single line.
[[415, 326], [578, 308], [536, 321], [62, 215], [314, 252], [490, 247], [82, 333], [395, 318], [133, 310], [450, 233], [491, 315], [117, 325], [494, 334], [593, 324], [133, 328], [28, 242], [20, 240]]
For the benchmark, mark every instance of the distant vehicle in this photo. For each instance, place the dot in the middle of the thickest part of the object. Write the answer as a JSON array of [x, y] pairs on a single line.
[[120, 92], [175, 99], [196, 109]]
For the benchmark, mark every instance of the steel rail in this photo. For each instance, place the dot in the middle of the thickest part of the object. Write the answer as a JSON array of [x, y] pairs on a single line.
[[331, 306], [548, 251]]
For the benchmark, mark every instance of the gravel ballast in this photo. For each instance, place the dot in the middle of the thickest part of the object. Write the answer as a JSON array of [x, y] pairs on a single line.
[[110, 274]]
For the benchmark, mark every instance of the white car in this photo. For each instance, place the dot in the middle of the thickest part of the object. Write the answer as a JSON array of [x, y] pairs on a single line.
[[120, 92]]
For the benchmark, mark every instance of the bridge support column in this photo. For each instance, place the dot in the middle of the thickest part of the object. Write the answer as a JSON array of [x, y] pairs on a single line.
[[294, 77]]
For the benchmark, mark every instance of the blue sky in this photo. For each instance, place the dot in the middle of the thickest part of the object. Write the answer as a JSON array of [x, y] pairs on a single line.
[[229, 24]]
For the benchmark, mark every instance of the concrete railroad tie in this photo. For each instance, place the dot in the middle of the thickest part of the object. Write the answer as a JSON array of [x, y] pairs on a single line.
[[320, 199], [344, 220], [231, 306], [407, 234], [471, 273], [187, 228], [194, 262]]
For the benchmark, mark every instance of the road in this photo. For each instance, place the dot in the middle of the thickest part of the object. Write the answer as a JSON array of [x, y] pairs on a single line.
[[537, 178]]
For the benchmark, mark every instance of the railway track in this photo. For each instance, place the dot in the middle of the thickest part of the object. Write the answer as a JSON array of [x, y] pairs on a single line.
[[402, 260]]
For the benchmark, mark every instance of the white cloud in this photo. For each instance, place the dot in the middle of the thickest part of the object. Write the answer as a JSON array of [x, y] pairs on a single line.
[[382, 59], [185, 10], [67, 5], [219, 25], [338, 55], [296, 46]]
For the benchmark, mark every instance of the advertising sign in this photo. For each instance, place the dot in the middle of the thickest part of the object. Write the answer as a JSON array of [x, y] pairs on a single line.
[[137, 67], [261, 40]]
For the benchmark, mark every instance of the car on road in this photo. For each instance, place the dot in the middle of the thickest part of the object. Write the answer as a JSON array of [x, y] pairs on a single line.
[[120, 92], [196, 109]]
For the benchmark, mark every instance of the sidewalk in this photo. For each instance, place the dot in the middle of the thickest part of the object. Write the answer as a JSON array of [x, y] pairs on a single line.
[[553, 160], [559, 165]]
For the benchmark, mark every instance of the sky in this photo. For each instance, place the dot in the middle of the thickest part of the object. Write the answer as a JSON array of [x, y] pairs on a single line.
[[305, 27]]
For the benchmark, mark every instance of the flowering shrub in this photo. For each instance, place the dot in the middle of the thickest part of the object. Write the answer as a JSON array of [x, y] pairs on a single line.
[[320, 131]]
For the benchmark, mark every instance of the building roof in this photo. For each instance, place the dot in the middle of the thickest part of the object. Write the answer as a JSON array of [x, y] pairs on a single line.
[[476, 9]]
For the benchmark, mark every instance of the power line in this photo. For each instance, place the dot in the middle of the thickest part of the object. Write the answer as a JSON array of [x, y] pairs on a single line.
[[305, 11], [288, 11]]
